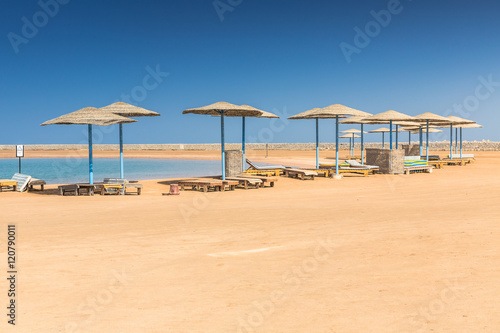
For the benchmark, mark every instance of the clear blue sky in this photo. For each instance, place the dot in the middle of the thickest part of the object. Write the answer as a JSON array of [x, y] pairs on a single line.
[[279, 56]]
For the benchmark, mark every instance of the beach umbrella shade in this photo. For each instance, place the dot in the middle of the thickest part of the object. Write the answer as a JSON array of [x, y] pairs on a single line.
[[355, 120], [89, 116], [461, 126], [404, 123], [307, 115], [334, 111], [382, 130], [224, 109], [430, 118], [264, 114], [388, 117], [454, 122], [127, 110]]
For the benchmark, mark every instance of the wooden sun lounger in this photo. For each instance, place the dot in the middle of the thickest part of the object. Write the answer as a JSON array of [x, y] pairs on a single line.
[[207, 184], [437, 164], [246, 182], [36, 182], [360, 171], [267, 172], [266, 181], [455, 161], [8, 183], [76, 189], [300, 173], [418, 168], [321, 172], [125, 184]]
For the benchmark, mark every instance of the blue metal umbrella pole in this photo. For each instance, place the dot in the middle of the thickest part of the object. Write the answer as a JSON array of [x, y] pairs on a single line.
[[362, 153], [397, 136], [91, 165], [222, 145], [383, 143], [451, 141], [456, 140], [337, 145], [350, 146], [427, 143], [243, 141], [121, 151], [420, 137], [317, 143], [390, 133], [409, 138], [460, 142]]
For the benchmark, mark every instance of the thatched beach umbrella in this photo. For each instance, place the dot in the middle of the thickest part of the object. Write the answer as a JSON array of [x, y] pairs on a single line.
[[455, 121], [358, 120], [309, 114], [404, 123], [224, 109], [474, 125], [89, 116], [382, 130], [334, 111], [388, 117], [264, 114], [127, 110], [352, 132], [430, 118]]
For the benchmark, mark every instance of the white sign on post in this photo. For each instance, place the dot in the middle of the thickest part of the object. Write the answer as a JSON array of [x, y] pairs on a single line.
[[19, 151]]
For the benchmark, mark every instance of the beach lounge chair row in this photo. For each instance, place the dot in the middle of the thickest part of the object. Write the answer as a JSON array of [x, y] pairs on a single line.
[[21, 183], [108, 186]]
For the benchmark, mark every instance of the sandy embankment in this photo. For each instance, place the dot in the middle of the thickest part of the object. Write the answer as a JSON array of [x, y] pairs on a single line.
[[375, 254]]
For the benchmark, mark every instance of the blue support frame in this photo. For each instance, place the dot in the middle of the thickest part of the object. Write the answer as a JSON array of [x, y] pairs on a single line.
[[222, 145], [427, 144], [451, 141], [243, 141], [317, 143], [362, 153], [91, 162], [121, 152], [390, 132], [337, 145]]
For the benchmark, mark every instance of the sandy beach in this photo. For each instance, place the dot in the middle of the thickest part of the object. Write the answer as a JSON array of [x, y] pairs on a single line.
[[385, 253]]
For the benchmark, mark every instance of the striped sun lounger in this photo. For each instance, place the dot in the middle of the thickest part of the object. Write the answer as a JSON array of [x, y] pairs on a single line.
[[417, 166]]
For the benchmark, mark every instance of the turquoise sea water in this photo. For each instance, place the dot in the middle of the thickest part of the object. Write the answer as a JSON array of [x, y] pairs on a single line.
[[73, 170]]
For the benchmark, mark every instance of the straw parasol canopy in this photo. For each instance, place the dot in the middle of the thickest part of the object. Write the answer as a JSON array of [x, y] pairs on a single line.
[[229, 110], [469, 126], [349, 136], [128, 110], [432, 118], [387, 116], [341, 110], [89, 116], [309, 114], [355, 120], [383, 130], [224, 109], [459, 121], [353, 130], [424, 130]]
